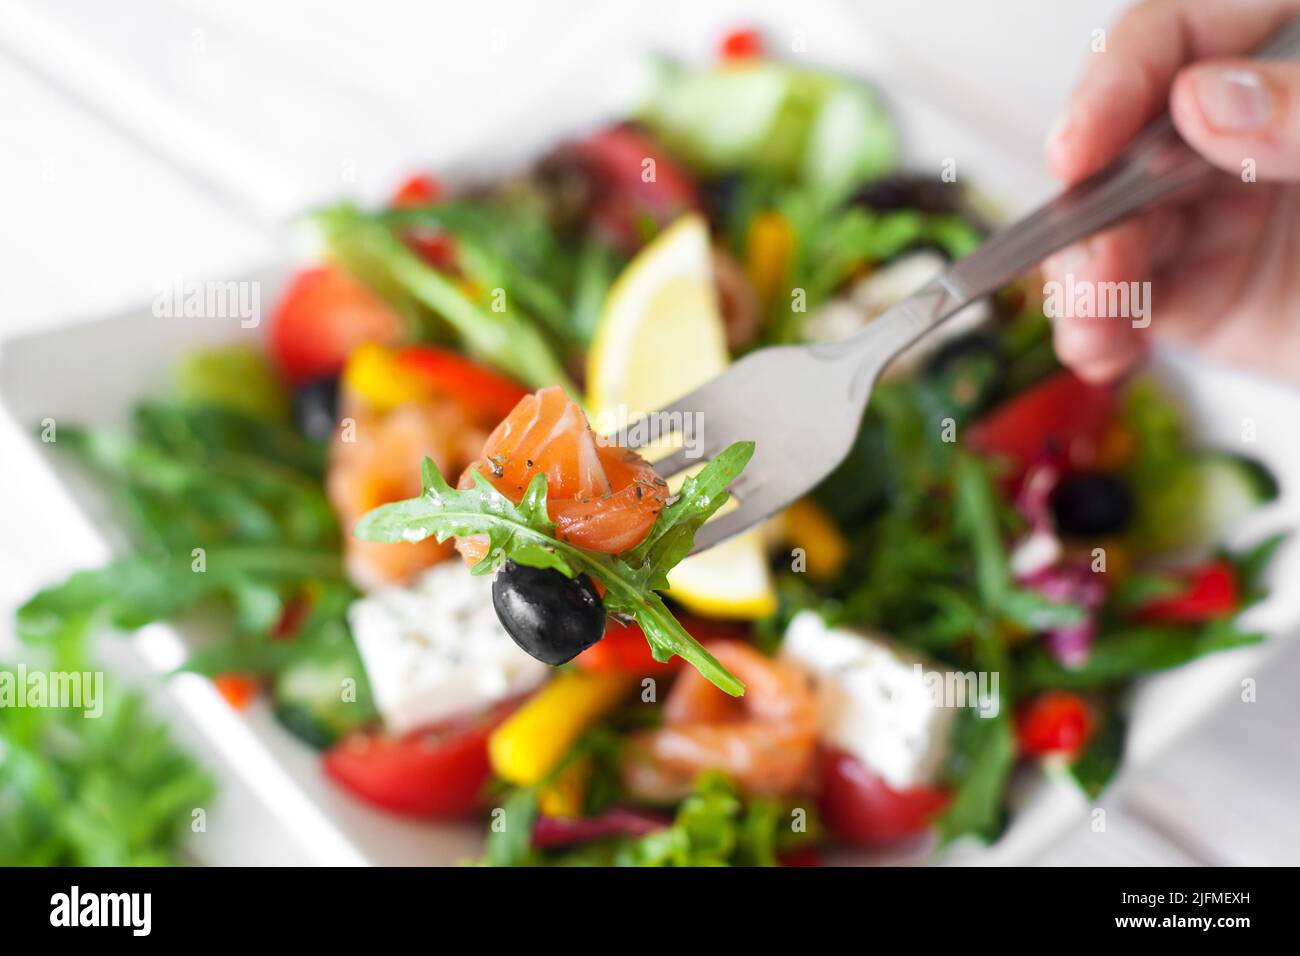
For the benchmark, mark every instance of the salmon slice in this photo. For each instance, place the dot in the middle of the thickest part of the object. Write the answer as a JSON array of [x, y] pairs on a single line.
[[378, 461], [600, 496]]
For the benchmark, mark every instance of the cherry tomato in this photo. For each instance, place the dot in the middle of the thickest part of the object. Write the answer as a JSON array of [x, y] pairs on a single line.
[[321, 318], [420, 189], [439, 772], [238, 689], [743, 44], [1209, 593], [624, 647], [1055, 722], [860, 808], [1062, 420], [480, 389], [637, 182]]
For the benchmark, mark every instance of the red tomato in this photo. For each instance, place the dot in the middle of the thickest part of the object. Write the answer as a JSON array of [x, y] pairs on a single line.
[[1055, 722], [1210, 593], [439, 772], [802, 857], [238, 689], [321, 318], [480, 389], [1062, 419], [860, 808], [419, 190], [745, 44], [637, 181], [624, 647]]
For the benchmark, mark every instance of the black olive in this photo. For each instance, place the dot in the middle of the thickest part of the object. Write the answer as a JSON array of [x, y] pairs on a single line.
[[315, 408], [1092, 504], [965, 374], [923, 193], [552, 617]]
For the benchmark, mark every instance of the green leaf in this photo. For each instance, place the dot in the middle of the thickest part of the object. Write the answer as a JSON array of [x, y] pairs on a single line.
[[510, 843], [525, 532], [1097, 765], [673, 534], [982, 757], [1130, 652]]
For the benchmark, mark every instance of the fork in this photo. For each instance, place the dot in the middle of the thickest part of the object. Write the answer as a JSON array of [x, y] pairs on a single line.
[[802, 404]]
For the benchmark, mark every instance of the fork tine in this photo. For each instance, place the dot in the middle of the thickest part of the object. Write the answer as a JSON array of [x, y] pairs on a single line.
[[723, 527], [680, 460]]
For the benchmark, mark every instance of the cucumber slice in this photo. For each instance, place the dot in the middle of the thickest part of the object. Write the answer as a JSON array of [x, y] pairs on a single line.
[[851, 141], [717, 119], [310, 700], [1201, 501], [828, 132]]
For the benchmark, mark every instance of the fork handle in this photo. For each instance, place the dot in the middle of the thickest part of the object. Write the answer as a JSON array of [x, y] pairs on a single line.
[[1154, 166]]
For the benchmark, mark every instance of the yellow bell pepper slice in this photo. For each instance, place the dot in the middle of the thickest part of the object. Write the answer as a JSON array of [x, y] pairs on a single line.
[[374, 375], [769, 249], [808, 526], [536, 737], [565, 794]]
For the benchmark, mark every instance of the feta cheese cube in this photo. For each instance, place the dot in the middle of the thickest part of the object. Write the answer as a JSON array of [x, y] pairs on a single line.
[[434, 649], [875, 703]]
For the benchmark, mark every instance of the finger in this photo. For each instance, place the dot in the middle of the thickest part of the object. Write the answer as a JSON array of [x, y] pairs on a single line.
[[1128, 83], [1242, 115], [1097, 352]]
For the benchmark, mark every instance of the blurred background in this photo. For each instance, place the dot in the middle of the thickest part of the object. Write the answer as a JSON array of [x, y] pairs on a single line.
[[145, 139]]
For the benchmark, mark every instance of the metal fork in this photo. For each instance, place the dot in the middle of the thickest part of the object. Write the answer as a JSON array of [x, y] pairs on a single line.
[[802, 404]]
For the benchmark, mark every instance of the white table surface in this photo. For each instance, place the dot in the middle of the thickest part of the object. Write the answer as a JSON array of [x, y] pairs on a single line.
[[147, 139]]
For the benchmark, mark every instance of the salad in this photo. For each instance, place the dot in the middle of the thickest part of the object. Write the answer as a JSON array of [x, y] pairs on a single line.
[[422, 554]]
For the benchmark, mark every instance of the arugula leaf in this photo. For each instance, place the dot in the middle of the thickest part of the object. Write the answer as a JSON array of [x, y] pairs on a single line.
[[506, 339], [1094, 768], [700, 497], [525, 533], [983, 756], [512, 843], [1130, 652], [114, 791]]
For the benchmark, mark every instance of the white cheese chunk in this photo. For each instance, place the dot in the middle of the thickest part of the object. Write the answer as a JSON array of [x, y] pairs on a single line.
[[884, 288], [435, 649], [875, 704]]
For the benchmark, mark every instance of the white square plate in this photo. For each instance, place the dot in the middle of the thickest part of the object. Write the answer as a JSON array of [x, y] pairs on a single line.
[[93, 373]]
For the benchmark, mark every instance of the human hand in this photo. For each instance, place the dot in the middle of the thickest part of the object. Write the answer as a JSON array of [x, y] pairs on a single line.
[[1224, 265]]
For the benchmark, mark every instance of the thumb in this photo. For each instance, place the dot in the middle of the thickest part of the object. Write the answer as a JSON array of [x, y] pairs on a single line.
[[1241, 115]]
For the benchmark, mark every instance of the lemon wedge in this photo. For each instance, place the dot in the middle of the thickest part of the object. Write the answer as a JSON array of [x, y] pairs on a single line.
[[660, 335]]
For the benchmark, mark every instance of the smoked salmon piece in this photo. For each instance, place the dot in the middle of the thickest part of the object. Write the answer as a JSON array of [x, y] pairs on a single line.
[[601, 497], [377, 461]]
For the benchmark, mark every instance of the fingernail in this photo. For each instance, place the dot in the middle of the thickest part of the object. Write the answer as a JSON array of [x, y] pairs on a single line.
[[1232, 100]]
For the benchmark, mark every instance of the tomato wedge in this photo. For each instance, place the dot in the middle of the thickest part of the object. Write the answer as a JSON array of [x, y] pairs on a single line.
[[861, 809], [739, 45], [481, 390], [321, 318], [1062, 420], [637, 182], [421, 189], [624, 648], [1209, 594], [436, 773], [1055, 722], [239, 690]]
